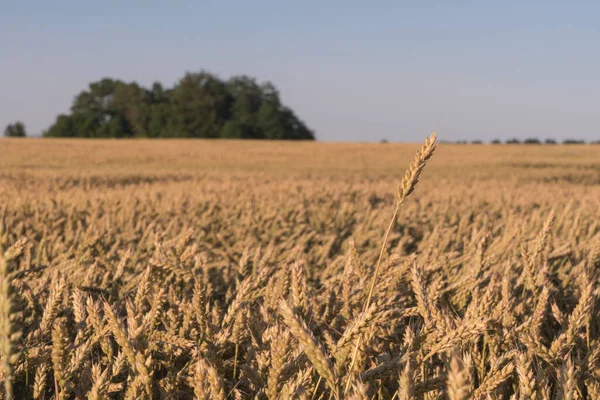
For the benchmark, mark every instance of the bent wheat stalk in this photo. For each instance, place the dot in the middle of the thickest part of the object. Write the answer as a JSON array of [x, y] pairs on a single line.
[[310, 346]]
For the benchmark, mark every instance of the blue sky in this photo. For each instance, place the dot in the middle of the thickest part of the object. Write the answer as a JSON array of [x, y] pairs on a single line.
[[353, 71]]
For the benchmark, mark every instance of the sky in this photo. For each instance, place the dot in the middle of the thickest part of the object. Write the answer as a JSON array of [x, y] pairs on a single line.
[[351, 70]]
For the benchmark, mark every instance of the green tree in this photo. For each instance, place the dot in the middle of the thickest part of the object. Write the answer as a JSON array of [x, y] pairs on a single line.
[[63, 127], [293, 127], [247, 100], [532, 141], [160, 121], [130, 107], [234, 129], [270, 121], [200, 105], [15, 130]]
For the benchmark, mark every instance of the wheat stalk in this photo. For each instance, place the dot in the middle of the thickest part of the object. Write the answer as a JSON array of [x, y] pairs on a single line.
[[410, 180]]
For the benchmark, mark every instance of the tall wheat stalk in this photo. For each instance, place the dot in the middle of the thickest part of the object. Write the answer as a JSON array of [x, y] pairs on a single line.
[[409, 182]]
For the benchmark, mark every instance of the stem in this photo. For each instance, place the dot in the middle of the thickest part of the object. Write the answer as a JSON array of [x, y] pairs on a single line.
[[371, 288], [237, 346], [56, 388], [316, 388], [378, 266]]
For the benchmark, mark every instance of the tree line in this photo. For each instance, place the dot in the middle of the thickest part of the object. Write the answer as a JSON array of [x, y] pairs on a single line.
[[525, 141], [199, 105], [17, 129]]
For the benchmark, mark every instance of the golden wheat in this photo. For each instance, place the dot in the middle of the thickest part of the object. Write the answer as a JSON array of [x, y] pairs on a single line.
[[230, 270]]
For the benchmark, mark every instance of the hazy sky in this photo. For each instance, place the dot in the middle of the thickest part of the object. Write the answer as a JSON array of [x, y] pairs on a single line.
[[351, 70]]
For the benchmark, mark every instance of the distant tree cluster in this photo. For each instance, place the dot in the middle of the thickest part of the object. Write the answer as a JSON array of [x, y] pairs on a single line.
[[15, 130], [535, 141], [538, 141], [518, 141], [200, 105]]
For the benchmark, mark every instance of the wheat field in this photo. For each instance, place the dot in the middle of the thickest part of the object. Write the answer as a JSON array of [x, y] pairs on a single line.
[[243, 270]]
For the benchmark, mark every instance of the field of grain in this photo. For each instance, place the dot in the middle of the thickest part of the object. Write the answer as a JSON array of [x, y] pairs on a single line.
[[234, 270]]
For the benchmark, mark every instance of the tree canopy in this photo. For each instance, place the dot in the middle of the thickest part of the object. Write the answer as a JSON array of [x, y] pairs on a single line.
[[200, 105], [15, 130]]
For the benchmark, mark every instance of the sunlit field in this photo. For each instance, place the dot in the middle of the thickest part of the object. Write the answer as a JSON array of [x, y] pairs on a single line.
[[180, 269]]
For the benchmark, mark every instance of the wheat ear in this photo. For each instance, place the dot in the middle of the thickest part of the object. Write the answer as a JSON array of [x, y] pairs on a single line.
[[309, 345], [459, 384], [9, 334]]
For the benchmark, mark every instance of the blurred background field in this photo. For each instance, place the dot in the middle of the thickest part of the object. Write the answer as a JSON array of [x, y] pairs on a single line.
[[347, 161]]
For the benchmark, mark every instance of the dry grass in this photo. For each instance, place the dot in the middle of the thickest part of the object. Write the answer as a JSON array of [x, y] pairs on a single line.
[[193, 269]]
